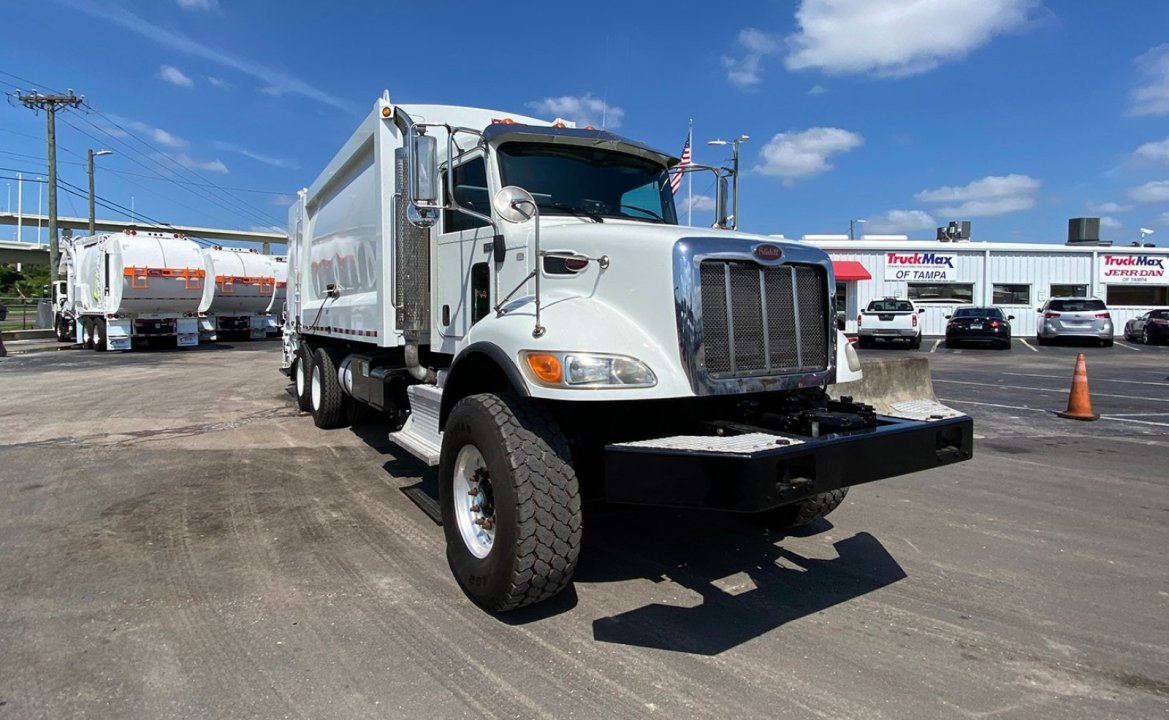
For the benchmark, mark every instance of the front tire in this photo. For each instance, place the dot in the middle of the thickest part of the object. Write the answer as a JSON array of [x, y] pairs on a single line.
[[325, 394], [804, 512], [510, 501]]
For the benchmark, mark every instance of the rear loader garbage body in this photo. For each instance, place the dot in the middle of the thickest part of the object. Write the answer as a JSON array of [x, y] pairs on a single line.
[[238, 295], [132, 286], [517, 299]]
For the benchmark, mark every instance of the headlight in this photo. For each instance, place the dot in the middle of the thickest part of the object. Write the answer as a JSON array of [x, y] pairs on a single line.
[[587, 370]]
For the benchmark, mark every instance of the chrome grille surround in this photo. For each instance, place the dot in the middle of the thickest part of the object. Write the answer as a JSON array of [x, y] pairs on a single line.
[[746, 325]]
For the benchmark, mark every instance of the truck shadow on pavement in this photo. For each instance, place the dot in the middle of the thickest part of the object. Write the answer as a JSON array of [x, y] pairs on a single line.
[[732, 583], [732, 580]]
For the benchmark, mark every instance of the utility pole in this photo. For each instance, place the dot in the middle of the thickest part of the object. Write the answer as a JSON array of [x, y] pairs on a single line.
[[50, 104]]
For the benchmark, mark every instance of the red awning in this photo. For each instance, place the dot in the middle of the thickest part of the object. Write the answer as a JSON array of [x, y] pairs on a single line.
[[849, 270]]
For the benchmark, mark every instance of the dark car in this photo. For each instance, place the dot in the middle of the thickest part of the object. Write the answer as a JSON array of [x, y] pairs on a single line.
[[981, 325], [1152, 327]]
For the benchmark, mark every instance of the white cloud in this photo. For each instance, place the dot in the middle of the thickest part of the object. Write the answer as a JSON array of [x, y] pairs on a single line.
[[154, 134], [174, 76], [283, 200], [1108, 207], [583, 110], [270, 229], [992, 195], [279, 162], [1156, 191], [900, 221], [897, 38], [177, 42], [204, 5], [818, 90], [192, 164], [700, 203], [1152, 98], [1110, 223], [792, 155], [745, 71], [1162, 220], [1155, 151], [219, 83]]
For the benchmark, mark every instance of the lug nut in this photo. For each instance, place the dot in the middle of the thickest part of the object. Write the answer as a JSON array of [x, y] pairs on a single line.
[[473, 491], [475, 508]]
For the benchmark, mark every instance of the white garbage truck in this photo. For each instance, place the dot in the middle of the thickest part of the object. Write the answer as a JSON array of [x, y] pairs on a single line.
[[518, 299], [128, 287], [238, 294]]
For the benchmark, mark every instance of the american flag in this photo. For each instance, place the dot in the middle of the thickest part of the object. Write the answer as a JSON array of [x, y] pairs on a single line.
[[676, 177]]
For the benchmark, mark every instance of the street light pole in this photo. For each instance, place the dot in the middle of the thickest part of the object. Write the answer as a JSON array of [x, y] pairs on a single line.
[[851, 228], [91, 155], [734, 173]]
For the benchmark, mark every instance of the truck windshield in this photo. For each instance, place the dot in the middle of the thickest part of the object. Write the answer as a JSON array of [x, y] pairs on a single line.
[[589, 181]]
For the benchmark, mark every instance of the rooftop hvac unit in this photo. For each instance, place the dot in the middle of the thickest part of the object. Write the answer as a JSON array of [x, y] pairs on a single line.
[[1084, 231], [956, 231]]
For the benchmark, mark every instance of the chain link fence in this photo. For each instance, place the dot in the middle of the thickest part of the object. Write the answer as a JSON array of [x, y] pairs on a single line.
[[17, 313]]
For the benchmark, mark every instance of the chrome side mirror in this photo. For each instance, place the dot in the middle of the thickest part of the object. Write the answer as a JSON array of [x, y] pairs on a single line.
[[720, 203], [423, 159]]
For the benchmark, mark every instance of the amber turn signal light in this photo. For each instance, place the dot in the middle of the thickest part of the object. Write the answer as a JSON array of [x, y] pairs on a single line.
[[546, 367]]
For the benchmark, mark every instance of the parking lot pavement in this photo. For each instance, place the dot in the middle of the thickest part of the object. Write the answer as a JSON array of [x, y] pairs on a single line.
[[176, 541], [1018, 391]]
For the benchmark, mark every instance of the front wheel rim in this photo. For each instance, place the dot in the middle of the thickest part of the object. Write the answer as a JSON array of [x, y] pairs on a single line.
[[473, 498]]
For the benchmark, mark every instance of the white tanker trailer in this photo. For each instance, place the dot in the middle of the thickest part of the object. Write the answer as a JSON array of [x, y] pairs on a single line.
[[129, 287], [238, 294]]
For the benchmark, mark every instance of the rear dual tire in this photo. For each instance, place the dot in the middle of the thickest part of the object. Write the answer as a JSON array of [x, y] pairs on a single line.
[[326, 399]]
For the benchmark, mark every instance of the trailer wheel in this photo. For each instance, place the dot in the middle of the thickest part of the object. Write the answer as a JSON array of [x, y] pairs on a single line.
[[304, 371], [100, 343], [327, 399], [87, 333], [510, 502], [803, 512]]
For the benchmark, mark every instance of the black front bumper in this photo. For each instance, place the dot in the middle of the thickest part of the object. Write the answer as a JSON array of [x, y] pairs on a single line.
[[771, 477]]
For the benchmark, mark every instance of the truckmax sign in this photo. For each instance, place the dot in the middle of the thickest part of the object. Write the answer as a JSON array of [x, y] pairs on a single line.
[[1133, 269], [920, 266]]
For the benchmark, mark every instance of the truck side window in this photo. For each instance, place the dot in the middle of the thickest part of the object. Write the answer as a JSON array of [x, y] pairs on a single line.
[[470, 190]]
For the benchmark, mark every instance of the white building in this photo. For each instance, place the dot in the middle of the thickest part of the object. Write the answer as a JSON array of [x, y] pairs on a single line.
[[1018, 277]]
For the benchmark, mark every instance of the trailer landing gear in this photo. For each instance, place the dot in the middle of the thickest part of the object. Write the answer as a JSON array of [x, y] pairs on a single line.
[[516, 539]]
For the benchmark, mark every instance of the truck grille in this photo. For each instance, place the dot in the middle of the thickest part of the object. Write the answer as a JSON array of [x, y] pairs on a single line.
[[763, 320]]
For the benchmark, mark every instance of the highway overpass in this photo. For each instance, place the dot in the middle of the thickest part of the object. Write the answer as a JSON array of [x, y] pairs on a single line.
[[11, 252]]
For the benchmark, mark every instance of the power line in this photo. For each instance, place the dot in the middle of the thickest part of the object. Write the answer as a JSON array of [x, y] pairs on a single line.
[[131, 154], [241, 207]]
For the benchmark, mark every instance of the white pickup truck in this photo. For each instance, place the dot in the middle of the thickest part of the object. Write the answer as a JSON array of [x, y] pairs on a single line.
[[889, 319]]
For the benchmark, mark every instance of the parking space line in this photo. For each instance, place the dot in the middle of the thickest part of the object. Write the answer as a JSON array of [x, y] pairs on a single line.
[[1119, 415], [1096, 379], [1115, 418], [1032, 349], [997, 405], [1127, 347], [1139, 422], [936, 344], [1048, 390]]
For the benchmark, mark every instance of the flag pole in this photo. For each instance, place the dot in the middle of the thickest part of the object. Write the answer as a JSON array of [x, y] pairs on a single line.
[[690, 178]]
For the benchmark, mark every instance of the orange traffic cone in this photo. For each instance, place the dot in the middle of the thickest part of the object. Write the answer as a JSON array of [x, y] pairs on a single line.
[[1079, 401]]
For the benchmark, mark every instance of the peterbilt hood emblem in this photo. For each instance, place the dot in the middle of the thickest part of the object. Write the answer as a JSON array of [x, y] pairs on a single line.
[[768, 252]]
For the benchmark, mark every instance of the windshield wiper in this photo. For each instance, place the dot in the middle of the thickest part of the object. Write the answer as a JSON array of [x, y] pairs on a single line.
[[573, 209], [652, 215]]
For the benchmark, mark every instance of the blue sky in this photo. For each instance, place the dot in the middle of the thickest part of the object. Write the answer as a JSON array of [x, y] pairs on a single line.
[[1014, 114]]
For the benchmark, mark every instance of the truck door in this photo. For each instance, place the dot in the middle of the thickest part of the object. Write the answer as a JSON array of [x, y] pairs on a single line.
[[462, 274]]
